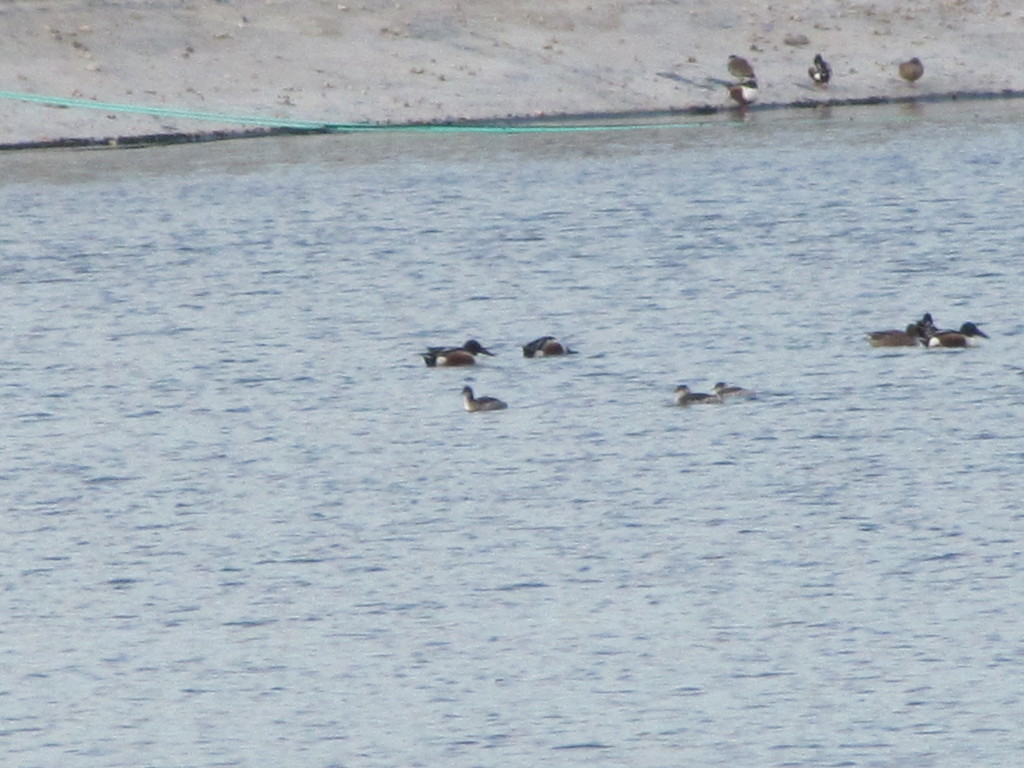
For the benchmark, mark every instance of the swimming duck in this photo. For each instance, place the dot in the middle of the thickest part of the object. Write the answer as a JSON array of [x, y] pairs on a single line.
[[473, 404], [820, 71], [911, 337], [449, 356], [967, 336], [545, 346], [912, 70], [741, 69], [723, 390], [685, 397]]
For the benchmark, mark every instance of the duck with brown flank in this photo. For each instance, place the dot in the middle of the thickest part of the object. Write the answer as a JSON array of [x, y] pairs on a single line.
[[451, 356], [967, 336], [546, 346], [744, 90]]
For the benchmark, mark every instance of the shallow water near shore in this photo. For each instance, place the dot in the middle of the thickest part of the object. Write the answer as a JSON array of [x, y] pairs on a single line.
[[245, 525]]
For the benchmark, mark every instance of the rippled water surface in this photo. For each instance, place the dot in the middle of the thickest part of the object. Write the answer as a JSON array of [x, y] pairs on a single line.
[[245, 525]]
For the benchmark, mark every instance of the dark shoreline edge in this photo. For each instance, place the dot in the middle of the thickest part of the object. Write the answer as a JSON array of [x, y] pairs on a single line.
[[524, 124]]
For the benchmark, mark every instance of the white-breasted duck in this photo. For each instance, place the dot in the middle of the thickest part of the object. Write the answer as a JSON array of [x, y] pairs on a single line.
[[820, 71], [451, 356], [546, 346], [723, 391], [967, 336], [686, 397], [473, 404]]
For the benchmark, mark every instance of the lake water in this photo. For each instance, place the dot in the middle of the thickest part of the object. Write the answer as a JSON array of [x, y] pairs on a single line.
[[244, 525]]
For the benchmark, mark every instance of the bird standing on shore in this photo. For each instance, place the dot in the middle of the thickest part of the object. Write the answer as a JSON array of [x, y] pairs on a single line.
[[912, 70], [820, 71], [740, 68]]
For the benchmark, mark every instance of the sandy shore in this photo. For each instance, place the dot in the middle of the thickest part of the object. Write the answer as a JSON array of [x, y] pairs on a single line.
[[365, 61]]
